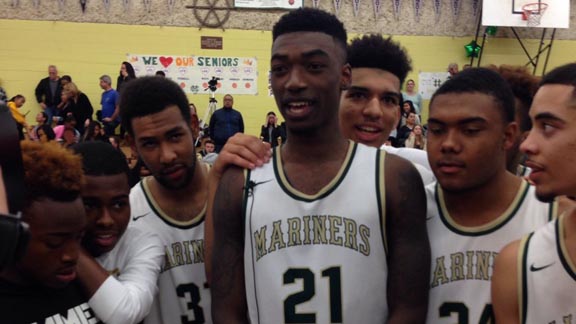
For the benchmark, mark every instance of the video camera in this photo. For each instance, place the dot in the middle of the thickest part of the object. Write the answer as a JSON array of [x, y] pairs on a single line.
[[213, 84], [14, 234]]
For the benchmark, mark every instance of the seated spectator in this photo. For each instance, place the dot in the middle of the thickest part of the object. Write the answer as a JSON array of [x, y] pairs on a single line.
[[94, 132], [41, 287], [416, 139], [119, 265], [45, 133], [69, 127], [209, 147], [14, 104], [406, 129], [41, 119], [407, 108], [271, 131]]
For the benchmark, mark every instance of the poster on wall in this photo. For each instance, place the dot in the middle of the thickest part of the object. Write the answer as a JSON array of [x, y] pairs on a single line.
[[429, 82], [237, 75], [265, 4]]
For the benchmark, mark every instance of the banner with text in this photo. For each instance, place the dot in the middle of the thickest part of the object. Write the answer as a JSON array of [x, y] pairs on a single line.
[[238, 75]]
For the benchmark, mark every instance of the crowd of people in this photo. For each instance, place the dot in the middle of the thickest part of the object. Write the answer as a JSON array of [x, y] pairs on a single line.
[[468, 218]]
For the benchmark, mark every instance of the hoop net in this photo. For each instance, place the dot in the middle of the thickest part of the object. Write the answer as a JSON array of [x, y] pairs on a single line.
[[533, 12]]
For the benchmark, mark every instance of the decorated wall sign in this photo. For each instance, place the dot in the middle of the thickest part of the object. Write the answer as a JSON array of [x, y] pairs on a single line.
[[376, 4], [238, 75], [456, 9], [356, 6], [437, 9], [429, 82], [260, 4], [417, 8], [397, 4]]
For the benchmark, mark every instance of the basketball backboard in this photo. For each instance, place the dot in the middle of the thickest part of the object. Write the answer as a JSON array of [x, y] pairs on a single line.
[[509, 13]]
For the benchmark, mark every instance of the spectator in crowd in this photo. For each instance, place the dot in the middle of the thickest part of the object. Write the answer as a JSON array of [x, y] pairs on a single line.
[[77, 104], [67, 133], [94, 132], [64, 80], [160, 74], [48, 92], [270, 132], [45, 133], [407, 108], [109, 102], [127, 74], [15, 103], [452, 69], [406, 129], [208, 148], [41, 287], [416, 139], [413, 96], [41, 119], [225, 122], [118, 266], [209, 155], [3, 95]]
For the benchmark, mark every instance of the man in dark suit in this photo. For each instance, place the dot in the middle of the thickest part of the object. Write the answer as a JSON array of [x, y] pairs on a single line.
[[48, 92]]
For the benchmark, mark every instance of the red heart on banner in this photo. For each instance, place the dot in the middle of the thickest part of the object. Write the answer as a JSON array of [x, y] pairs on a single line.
[[166, 61]]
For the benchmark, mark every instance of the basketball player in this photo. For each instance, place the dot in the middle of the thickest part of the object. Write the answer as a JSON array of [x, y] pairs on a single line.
[[119, 266], [324, 233], [523, 85], [370, 107], [41, 287], [477, 206], [369, 111], [172, 202], [535, 278]]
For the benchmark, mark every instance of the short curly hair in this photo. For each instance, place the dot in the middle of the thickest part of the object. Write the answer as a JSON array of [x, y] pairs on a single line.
[[524, 86], [150, 95], [375, 51], [50, 171], [311, 20]]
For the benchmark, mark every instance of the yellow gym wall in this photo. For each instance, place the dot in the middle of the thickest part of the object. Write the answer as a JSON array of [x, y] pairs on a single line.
[[86, 51]]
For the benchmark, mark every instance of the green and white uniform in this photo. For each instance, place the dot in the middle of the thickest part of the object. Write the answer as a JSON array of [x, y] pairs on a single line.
[[182, 293], [463, 257], [547, 277], [317, 258]]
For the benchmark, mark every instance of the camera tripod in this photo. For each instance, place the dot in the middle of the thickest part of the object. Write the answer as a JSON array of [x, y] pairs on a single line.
[[212, 106]]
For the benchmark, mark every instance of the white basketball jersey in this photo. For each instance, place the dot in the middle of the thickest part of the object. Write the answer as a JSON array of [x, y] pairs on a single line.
[[463, 257], [183, 296], [317, 258], [548, 277]]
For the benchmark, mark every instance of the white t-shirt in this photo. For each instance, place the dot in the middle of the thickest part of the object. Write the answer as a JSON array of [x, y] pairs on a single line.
[[134, 264]]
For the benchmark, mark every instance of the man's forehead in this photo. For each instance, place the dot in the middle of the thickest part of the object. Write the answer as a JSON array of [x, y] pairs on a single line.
[[309, 40], [376, 79]]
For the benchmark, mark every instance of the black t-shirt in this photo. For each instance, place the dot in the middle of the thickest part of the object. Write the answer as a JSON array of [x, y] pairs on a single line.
[[36, 304]]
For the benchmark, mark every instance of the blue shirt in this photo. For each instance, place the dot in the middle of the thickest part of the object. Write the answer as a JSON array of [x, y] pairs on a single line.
[[109, 102]]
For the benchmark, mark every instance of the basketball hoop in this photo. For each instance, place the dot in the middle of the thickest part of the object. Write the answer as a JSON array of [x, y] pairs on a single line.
[[533, 12]]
